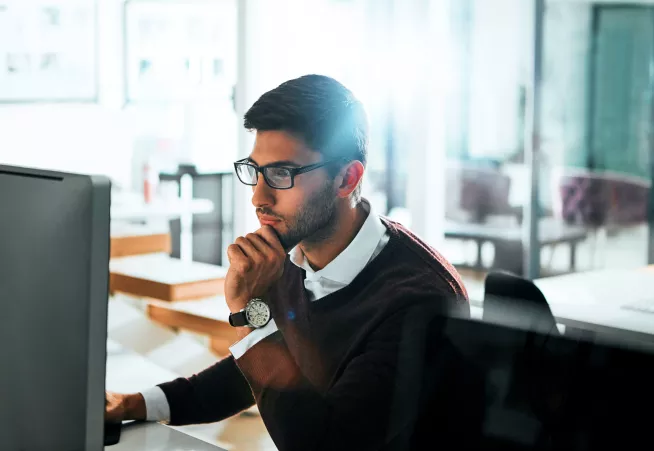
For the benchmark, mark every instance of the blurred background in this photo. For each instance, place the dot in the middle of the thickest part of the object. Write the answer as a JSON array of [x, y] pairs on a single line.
[[510, 134], [134, 89]]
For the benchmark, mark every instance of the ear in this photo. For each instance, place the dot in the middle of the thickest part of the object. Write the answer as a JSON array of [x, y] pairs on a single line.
[[349, 178]]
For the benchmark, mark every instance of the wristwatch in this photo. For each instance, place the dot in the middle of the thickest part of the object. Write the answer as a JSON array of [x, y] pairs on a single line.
[[256, 314]]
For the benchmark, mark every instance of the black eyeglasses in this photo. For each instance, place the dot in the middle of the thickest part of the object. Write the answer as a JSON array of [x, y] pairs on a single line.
[[277, 177]]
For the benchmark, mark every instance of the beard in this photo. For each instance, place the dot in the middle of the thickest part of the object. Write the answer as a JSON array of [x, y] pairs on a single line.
[[314, 222]]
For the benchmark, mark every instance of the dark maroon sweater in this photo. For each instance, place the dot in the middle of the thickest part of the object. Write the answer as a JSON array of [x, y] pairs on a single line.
[[346, 371]]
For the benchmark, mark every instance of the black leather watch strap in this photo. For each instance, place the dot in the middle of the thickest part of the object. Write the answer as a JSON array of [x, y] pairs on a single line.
[[238, 319]]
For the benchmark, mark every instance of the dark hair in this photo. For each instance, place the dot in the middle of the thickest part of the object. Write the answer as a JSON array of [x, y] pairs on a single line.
[[320, 111]]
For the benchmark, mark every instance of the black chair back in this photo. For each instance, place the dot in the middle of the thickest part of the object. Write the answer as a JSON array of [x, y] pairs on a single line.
[[513, 301]]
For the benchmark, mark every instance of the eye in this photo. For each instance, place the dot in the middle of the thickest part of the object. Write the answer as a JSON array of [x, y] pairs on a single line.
[[279, 176], [247, 173]]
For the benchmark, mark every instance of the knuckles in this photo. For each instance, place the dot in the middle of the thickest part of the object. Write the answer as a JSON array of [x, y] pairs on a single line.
[[237, 260], [272, 260]]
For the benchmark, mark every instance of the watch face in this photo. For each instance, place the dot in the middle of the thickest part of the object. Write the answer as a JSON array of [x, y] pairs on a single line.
[[257, 313]]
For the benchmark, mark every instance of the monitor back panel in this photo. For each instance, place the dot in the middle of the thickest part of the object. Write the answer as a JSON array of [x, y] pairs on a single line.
[[54, 247]]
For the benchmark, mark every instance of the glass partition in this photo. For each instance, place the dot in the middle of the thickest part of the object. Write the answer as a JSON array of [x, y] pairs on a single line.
[[594, 135], [597, 129]]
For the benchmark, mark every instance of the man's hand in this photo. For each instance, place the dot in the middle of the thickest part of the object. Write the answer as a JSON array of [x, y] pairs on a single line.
[[120, 407], [256, 261]]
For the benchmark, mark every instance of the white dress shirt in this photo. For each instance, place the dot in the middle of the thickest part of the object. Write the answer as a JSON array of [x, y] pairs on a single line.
[[365, 246]]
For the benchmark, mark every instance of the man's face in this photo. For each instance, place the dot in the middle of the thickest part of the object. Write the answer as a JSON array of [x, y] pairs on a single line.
[[306, 211]]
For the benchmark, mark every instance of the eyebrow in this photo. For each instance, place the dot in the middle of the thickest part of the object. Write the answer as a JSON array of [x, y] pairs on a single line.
[[276, 163]]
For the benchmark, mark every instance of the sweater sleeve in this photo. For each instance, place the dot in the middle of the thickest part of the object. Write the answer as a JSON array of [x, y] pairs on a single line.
[[373, 401], [212, 395]]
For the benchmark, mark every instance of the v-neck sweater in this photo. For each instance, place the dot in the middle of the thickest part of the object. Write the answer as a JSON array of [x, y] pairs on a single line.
[[329, 377]]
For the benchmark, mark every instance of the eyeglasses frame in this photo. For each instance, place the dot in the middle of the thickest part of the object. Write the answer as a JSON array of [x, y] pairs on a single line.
[[293, 171]]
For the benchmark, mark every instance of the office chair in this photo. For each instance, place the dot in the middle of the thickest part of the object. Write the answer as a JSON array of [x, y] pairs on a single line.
[[510, 300], [513, 301]]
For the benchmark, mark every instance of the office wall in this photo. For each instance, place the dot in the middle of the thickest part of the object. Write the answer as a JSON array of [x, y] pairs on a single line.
[[76, 137], [106, 137]]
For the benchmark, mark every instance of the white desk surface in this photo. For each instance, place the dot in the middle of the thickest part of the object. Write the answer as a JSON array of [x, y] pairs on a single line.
[[128, 372], [598, 298], [157, 437]]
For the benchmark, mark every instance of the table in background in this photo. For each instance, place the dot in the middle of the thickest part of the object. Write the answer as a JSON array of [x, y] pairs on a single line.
[[208, 317], [507, 241], [159, 276], [130, 239]]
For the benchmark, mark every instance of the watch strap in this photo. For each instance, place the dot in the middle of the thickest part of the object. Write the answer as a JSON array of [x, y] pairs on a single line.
[[238, 319]]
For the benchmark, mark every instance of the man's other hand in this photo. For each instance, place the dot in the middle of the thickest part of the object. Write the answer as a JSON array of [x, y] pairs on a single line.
[[119, 407]]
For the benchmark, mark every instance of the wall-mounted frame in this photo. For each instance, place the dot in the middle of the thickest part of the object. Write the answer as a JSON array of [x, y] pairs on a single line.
[[179, 50], [48, 51]]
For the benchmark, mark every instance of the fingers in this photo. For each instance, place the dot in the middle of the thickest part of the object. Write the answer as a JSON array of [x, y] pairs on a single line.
[[272, 256], [237, 259], [256, 248], [259, 244], [248, 248]]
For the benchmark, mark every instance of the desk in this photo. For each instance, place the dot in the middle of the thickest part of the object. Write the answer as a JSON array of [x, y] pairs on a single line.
[[127, 372], [159, 276], [508, 240], [157, 437], [129, 239], [208, 317], [594, 301]]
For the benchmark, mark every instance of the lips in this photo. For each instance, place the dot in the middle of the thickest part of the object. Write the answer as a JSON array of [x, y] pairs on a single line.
[[268, 220]]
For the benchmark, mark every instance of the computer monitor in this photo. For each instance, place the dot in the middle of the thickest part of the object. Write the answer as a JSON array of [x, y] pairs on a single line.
[[533, 390], [54, 270]]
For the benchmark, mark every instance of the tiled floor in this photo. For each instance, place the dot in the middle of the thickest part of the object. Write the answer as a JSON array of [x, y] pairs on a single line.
[[185, 354]]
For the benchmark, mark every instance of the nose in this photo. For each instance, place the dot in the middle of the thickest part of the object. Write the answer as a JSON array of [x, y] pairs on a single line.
[[262, 194]]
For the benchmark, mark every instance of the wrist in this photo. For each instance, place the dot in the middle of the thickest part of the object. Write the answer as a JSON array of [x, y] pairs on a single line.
[[242, 332], [134, 407], [237, 304]]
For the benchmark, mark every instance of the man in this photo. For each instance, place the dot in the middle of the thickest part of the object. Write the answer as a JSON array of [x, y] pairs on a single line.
[[324, 330]]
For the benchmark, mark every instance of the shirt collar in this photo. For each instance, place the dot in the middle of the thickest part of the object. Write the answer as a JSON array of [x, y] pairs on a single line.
[[345, 267]]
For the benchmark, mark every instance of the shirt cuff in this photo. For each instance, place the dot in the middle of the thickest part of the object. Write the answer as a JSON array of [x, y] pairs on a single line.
[[241, 347], [156, 405]]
